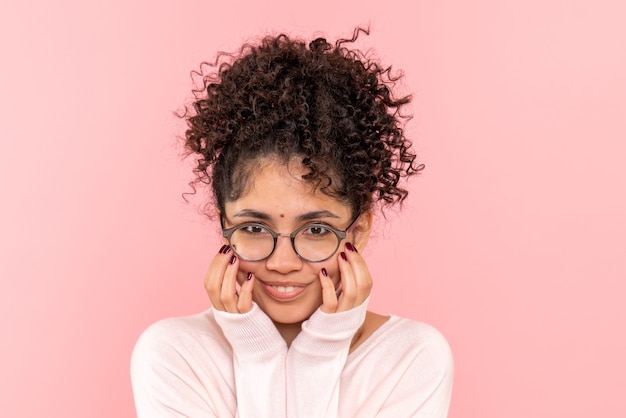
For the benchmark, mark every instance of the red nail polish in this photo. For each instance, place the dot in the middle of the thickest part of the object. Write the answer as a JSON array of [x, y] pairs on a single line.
[[324, 272], [350, 247], [221, 251], [249, 276], [233, 259], [226, 249], [343, 256]]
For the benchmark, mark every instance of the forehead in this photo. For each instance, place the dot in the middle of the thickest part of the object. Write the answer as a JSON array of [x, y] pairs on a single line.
[[278, 190]]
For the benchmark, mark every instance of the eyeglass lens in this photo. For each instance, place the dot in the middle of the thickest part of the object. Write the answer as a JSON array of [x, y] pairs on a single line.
[[314, 242]]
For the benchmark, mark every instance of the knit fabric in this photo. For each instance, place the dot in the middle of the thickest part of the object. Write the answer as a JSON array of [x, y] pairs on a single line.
[[218, 364]]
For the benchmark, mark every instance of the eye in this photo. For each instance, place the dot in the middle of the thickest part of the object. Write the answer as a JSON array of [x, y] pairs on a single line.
[[254, 229], [316, 230]]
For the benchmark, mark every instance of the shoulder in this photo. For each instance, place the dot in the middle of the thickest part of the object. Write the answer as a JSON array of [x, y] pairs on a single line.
[[183, 364], [169, 331], [405, 368], [424, 336], [178, 341], [421, 340], [413, 343]]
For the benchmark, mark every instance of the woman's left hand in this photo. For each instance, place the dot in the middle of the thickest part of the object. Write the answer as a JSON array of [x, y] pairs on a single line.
[[355, 285]]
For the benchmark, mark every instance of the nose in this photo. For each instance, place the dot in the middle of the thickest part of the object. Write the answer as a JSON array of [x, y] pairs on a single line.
[[284, 258]]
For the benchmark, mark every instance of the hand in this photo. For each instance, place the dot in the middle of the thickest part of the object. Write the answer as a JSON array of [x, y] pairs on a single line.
[[221, 284], [355, 286]]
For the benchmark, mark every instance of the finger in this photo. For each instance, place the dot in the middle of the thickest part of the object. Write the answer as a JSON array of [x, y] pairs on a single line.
[[244, 304], [228, 295], [215, 276], [329, 295], [362, 274], [348, 284]]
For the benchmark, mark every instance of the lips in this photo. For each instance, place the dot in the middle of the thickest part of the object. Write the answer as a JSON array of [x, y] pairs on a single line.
[[282, 291]]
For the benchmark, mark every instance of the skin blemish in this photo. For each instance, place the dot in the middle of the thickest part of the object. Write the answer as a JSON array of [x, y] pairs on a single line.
[[282, 215]]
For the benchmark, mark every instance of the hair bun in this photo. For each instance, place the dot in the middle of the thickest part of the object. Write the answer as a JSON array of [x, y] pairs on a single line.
[[319, 45]]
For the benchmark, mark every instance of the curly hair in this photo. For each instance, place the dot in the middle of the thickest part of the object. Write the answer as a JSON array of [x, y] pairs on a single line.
[[330, 107]]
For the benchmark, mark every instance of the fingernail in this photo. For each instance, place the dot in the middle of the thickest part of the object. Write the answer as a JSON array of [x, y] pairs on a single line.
[[324, 272], [350, 247], [249, 276], [221, 251], [343, 256], [226, 249], [233, 259]]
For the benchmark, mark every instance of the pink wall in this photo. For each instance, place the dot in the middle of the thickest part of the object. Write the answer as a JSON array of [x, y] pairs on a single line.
[[513, 242]]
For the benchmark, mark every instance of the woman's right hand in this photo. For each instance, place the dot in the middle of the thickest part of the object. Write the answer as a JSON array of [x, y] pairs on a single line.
[[221, 283]]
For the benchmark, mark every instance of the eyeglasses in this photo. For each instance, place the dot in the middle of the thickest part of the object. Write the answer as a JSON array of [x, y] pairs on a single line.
[[315, 242]]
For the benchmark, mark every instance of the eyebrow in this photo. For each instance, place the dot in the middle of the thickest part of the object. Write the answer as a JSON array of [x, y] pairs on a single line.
[[316, 215], [250, 213]]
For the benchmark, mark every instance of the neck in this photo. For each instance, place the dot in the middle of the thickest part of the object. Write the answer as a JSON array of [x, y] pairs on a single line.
[[289, 332]]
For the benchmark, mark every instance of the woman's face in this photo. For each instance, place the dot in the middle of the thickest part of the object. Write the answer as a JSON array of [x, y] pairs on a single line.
[[287, 288]]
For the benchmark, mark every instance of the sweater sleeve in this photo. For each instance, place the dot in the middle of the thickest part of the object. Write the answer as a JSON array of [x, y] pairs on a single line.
[[316, 359], [259, 354]]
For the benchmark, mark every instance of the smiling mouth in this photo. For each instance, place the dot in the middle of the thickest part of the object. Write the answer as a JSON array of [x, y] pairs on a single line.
[[283, 292]]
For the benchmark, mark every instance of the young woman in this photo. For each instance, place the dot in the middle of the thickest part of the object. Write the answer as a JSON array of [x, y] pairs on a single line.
[[300, 145]]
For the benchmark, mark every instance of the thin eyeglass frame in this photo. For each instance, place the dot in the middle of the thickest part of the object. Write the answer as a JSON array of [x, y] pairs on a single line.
[[341, 235]]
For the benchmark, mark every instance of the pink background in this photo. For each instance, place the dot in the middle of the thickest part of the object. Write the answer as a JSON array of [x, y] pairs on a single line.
[[513, 241]]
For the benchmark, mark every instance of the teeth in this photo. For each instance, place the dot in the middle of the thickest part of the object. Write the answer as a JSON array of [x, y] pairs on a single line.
[[285, 289]]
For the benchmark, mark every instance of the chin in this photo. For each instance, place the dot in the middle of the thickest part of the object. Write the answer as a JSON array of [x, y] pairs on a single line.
[[288, 313]]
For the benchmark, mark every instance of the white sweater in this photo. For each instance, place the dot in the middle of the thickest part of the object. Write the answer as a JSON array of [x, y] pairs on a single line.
[[216, 364]]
